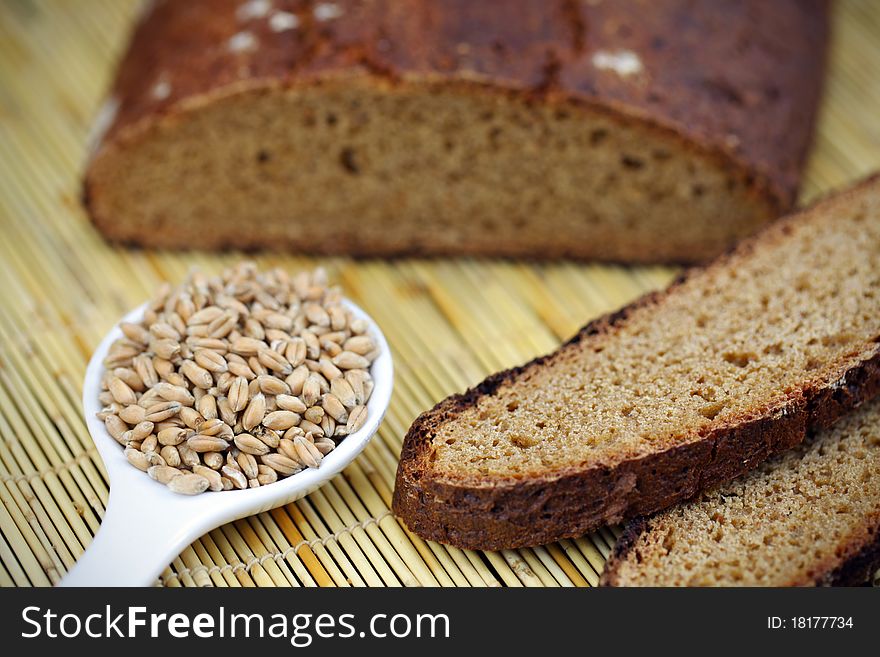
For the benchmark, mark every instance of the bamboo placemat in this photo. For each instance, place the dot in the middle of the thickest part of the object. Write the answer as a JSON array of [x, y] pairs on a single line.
[[450, 322]]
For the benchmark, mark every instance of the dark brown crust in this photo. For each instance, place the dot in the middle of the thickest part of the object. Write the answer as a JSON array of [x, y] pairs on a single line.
[[540, 51], [498, 515], [858, 569], [632, 532]]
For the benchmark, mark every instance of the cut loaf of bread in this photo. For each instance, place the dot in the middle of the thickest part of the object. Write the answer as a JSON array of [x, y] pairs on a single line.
[[677, 392], [620, 130], [810, 516]]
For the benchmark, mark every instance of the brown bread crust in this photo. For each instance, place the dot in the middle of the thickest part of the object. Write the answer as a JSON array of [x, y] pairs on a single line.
[[859, 568], [632, 531], [498, 515], [756, 59]]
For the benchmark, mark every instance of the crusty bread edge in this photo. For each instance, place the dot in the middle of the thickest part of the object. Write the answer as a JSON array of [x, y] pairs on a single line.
[[499, 515], [858, 569], [626, 542], [761, 188]]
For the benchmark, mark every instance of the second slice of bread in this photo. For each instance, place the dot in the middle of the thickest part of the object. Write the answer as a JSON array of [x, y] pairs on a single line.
[[679, 391], [809, 516]]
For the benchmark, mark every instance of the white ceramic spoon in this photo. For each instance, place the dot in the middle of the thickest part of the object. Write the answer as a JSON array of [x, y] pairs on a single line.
[[146, 526]]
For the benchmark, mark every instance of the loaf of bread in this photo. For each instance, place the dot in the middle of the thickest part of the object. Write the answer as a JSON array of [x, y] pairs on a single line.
[[675, 393], [810, 516], [620, 131]]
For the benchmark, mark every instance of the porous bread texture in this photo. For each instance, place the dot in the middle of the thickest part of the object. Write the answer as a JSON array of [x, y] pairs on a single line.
[[677, 392], [357, 165], [804, 518]]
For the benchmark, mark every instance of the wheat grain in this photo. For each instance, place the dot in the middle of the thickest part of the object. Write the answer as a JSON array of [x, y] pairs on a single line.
[[199, 376], [248, 464], [121, 392], [171, 455], [295, 351], [221, 327], [164, 331], [331, 348], [311, 391], [170, 392], [171, 436], [328, 370], [135, 333], [214, 344], [149, 444], [207, 406], [162, 411], [311, 427], [205, 316], [190, 417], [297, 379], [210, 360], [130, 378], [267, 436], [255, 411], [213, 460], [212, 427], [235, 476], [281, 464], [201, 390], [271, 385], [290, 403], [245, 346], [115, 426], [359, 344], [187, 456], [199, 444], [306, 452], [314, 414], [137, 458], [266, 475], [163, 473], [133, 414], [250, 444], [226, 413], [164, 348], [356, 419], [281, 420], [333, 407], [188, 484], [348, 360], [141, 430], [215, 481], [344, 392], [324, 445]]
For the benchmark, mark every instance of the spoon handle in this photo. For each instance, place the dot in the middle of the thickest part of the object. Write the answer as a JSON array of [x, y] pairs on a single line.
[[137, 539]]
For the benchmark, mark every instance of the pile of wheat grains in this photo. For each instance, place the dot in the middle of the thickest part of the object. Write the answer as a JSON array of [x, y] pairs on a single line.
[[235, 381]]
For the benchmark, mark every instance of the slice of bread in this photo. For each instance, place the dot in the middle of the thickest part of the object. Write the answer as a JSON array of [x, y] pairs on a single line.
[[675, 393], [809, 516]]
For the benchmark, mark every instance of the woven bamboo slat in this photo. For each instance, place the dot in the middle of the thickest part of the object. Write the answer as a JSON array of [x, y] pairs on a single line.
[[450, 322]]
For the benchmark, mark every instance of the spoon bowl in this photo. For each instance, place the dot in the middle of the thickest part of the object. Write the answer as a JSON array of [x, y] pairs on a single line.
[[145, 525]]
